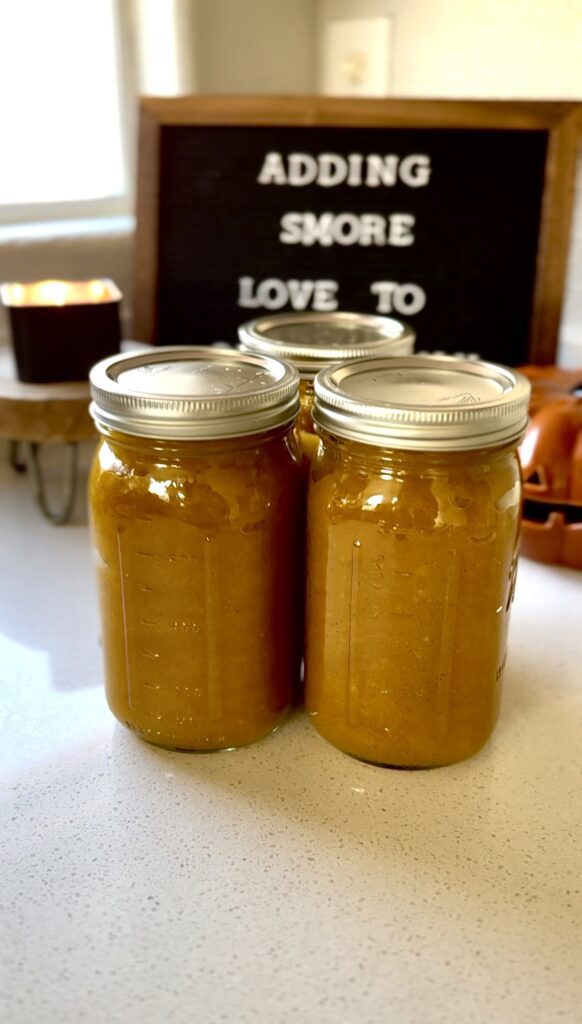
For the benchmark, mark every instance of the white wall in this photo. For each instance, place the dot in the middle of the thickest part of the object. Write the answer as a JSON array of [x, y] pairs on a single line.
[[255, 46], [479, 48], [490, 48], [165, 55]]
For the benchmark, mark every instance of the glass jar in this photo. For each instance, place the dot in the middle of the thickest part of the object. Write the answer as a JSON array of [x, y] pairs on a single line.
[[311, 341], [413, 517], [195, 500]]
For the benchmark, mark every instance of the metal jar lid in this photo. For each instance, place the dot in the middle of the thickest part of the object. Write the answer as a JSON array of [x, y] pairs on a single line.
[[311, 341], [192, 393], [423, 403]]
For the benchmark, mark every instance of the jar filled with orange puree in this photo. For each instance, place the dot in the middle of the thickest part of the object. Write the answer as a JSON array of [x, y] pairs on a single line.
[[413, 517], [311, 341], [194, 496]]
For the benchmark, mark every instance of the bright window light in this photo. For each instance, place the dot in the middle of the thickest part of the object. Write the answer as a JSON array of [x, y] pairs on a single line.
[[60, 122]]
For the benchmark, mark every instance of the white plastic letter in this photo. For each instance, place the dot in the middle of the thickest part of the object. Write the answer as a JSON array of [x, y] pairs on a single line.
[[409, 299], [373, 229], [346, 229], [272, 171], [355, 161], [317, 229], [246, 299], [324, 296], [300, 293], [382, 170], [332, 169], [302, 169], [272, 293], [291, 230], [415, 170], [384, 290], [400, 231]]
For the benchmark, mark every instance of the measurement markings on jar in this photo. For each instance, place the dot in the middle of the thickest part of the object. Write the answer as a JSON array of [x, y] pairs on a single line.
[[447, 639], [213, 616], [352, 694], [171, 626], [165, 558], [124, 612]]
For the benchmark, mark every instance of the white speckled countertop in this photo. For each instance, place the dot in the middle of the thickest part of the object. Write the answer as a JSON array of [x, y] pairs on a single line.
[[286, 882]]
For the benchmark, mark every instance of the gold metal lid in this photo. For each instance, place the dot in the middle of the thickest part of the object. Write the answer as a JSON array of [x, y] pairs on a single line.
[[311, 341], [423, 403], [192, 393]]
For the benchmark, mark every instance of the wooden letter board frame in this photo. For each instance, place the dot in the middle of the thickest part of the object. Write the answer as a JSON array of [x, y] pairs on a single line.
[[561, 121]]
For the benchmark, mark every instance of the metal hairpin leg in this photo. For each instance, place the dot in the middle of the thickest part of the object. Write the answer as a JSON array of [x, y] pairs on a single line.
[[69, 482], [14, 457]]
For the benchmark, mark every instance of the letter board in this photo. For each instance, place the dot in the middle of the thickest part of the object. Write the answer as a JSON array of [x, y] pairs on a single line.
[[451, 215]]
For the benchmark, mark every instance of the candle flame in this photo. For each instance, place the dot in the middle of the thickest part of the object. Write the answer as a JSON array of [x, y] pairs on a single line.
[[60, 293], [18, 294], [97, 290], [53, 293]]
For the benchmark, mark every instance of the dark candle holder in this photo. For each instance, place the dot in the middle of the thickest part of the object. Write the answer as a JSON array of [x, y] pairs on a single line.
[[61, 328]]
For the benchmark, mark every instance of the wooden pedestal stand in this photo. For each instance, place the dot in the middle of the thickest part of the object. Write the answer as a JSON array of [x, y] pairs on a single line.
[[34, 414]]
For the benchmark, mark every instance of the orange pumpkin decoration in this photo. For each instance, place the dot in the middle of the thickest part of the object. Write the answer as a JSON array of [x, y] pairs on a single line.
[[551, 460]]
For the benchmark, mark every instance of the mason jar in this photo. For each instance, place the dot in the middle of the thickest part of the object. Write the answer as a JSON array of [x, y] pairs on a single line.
[[194, 496], [311, 341], [413, 518]]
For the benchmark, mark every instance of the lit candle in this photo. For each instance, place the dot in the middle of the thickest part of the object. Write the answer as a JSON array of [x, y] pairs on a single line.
[[61, 328]]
